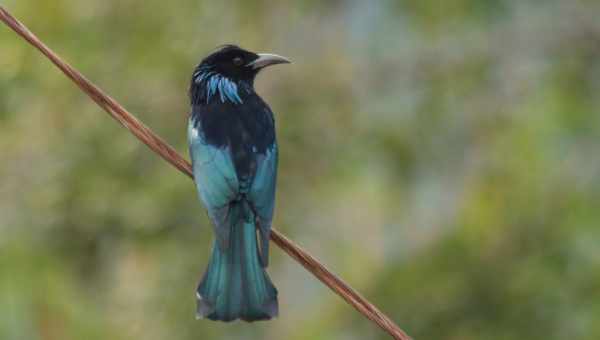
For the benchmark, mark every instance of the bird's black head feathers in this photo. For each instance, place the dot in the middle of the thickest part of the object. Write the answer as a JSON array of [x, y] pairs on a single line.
[[231, 61], [228, 74]]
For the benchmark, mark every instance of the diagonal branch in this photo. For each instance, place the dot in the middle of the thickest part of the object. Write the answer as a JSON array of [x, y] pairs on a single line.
[[144, 134]]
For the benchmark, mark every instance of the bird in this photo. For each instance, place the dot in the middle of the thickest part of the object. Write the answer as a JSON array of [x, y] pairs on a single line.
[[234, 153]]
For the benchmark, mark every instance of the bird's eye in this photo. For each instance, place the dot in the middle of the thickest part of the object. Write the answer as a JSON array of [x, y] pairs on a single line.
[[237, 61]]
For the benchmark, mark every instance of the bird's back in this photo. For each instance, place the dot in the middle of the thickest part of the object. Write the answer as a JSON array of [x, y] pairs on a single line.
[[247, 131]]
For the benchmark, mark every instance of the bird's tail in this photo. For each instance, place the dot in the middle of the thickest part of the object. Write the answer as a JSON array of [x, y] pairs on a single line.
[[235, 285]]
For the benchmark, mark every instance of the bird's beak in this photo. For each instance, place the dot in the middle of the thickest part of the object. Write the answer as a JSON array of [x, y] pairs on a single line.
[[267, 59]]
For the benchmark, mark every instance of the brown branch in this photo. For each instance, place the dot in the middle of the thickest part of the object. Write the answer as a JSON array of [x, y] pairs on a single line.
[[169, 154]]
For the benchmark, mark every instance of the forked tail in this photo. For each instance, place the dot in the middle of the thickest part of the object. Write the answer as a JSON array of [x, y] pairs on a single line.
[[235, 285]]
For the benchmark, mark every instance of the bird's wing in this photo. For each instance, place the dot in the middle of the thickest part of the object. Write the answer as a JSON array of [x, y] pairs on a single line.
[[216, 179], [262, 196]]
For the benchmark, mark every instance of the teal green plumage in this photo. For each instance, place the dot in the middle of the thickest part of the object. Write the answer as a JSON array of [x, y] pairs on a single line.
[[235, 284]]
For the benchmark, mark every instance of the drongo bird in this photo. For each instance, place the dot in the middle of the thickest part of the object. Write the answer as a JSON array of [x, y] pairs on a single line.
[[231, 135]]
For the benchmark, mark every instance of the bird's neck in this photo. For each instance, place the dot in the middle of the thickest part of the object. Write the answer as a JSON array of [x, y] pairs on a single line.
[[208, 86]]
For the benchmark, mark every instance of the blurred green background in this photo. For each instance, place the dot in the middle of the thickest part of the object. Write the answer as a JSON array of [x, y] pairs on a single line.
[[442, 157]]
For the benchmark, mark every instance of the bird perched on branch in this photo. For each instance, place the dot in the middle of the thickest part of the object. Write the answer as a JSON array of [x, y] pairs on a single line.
[[232, 144]]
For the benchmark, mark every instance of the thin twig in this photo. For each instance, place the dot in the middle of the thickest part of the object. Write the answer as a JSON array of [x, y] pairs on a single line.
[[169, 154]]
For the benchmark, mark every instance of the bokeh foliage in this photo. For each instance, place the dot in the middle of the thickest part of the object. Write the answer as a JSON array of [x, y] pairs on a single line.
[[442, 157]]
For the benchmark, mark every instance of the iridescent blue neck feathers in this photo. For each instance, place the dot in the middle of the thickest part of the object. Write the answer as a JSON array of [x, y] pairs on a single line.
[[210, 84]]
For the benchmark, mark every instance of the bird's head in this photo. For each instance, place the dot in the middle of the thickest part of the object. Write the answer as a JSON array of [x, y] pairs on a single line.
[[228, 67]]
